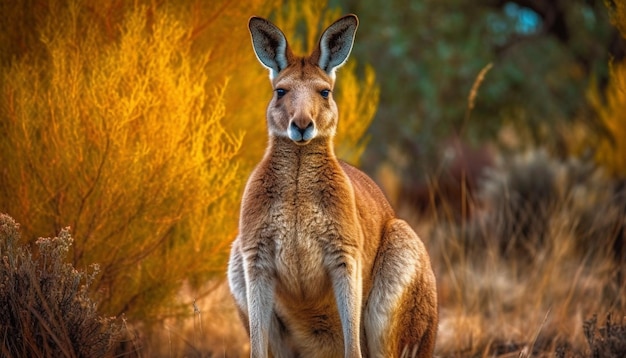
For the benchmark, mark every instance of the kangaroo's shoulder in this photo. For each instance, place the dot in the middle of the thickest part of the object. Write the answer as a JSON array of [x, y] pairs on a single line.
[[367, 192]]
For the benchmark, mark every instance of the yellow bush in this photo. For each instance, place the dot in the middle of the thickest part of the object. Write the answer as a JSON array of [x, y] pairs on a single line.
[[122, 140], [617, 10], [136, 124], [604, 141], [610, 151]]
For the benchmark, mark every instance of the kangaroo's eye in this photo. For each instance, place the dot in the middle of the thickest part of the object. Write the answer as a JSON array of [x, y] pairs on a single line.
[[325, 93], [280, 92]]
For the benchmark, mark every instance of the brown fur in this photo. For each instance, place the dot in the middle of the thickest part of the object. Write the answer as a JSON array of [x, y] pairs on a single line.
[[321, 266]]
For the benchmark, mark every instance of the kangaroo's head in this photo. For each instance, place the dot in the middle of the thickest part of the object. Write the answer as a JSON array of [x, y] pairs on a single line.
[[302, 107]]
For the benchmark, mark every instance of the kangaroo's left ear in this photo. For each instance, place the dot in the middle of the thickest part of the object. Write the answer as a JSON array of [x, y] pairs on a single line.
[[336, 43]]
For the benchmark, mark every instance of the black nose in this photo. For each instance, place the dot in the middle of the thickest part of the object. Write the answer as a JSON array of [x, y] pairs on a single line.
[[302, 127]]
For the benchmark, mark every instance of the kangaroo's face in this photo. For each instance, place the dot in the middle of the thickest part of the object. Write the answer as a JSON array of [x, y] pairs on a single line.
[[302, 107]]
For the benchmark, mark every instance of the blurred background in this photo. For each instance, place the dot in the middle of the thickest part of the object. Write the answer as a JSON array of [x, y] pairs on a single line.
[[548, 69], [496, 128]]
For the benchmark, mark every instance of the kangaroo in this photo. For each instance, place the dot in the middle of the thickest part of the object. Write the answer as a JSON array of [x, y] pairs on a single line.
[[321, 266]]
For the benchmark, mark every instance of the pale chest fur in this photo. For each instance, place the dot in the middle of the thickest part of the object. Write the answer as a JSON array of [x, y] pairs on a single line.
[[300, 241], [299, 214]]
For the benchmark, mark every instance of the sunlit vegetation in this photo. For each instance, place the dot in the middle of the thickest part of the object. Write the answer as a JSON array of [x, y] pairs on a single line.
[[136, 123], [617, 10], [537, 268], [610, 151]]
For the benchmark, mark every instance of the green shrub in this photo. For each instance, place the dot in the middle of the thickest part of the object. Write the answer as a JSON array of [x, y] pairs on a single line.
[[45, 307]]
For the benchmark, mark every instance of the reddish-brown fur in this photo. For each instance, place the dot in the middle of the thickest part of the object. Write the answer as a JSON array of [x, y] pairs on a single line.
[[321, 266]]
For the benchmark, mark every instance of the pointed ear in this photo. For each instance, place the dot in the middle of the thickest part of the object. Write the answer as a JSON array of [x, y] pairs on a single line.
[[336, 43], [270, 45]]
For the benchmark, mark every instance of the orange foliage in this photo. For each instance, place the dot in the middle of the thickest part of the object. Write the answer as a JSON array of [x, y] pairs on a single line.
[[610, 152], [617, 10], [115, 130]]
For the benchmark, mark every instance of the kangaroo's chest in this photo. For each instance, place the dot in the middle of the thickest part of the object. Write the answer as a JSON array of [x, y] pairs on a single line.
[[303, 229], [304, 217]]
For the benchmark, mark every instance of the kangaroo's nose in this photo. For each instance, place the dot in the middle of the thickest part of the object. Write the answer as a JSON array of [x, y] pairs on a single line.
[[301, 129], [302, 125]]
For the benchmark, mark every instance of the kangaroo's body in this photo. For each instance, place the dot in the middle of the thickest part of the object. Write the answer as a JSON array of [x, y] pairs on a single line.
[[321, 266]]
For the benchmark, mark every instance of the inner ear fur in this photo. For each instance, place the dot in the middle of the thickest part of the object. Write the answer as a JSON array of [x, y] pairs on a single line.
[[336, 43], [272, 50], [270, 45]]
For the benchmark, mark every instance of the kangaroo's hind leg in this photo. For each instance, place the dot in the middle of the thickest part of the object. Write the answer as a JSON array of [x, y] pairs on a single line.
[[401, 310]]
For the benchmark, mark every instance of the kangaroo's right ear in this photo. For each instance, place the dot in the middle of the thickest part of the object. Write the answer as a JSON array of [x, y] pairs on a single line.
[[270, 45]]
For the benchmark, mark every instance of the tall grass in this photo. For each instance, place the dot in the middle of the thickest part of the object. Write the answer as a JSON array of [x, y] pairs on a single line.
[[535, 262]]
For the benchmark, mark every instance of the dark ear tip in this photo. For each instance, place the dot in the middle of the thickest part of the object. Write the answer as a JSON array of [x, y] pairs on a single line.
[[255, 20], [352, 17]]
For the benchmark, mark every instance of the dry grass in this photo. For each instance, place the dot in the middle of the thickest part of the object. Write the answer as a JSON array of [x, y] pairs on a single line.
[[210, 327], [522, 276], [537, 299]]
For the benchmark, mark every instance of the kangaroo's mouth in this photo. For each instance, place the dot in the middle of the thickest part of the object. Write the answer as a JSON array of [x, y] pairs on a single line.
[[302, 142]]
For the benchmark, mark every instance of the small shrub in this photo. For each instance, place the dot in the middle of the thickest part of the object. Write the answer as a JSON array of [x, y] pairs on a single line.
[[45, 309], [608, 341], [525, 195], [521, 194]]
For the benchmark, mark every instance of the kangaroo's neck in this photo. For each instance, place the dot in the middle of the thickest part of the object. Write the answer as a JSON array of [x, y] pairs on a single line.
[[289, 158]]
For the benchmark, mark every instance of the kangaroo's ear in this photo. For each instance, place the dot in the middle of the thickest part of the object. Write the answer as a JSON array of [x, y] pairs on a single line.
[[336, 43], [270, 45]]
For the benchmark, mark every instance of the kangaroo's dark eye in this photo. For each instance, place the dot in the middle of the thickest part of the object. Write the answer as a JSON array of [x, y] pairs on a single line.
[[325, 93], [280, 92]]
